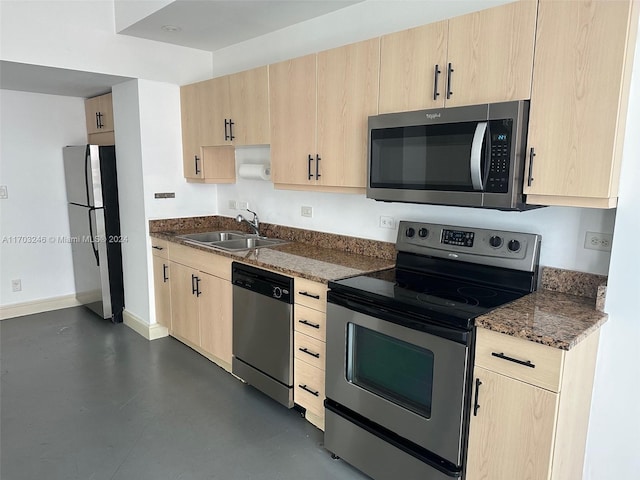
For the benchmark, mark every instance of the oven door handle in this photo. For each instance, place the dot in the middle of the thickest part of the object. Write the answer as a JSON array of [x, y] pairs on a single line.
[[475, 161], [400, 318]]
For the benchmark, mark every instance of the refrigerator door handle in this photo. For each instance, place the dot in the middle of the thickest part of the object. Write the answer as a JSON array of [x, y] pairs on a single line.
[[92, 239], [87, 156]]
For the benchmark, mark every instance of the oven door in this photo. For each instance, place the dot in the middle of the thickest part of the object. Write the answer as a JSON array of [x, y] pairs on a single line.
[[406, 380]]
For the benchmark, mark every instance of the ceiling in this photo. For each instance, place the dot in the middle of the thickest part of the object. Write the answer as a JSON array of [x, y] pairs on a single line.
[[55, 81], [215, 24], [202, 24]]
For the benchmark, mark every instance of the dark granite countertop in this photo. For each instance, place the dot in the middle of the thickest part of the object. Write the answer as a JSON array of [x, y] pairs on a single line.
[[552, 318], [305, 260], [560, 314]]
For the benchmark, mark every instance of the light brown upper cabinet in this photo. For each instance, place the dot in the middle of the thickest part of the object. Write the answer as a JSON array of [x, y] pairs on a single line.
[[319, 106], [198, 125], [239, 108], [99, 119], [223, 111], [580, 92], [482, 57], [99, 114], [249, 96], [292, 111]]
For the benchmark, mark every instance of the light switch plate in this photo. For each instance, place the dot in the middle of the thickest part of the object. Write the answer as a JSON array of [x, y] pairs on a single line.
[[306, 211], [4, 192]]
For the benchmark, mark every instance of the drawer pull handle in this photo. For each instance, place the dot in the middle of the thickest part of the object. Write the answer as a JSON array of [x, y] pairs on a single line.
[[526, 363], [310, 324], [157, 247], [312, 392], [476, 405], [309, 352], [307, 294]]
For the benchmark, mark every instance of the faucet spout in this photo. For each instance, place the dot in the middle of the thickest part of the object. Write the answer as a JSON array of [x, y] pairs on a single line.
[[254, 224]]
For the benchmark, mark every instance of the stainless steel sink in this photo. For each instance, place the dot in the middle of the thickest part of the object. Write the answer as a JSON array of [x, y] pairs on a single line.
[[208, 237], [230, 241], [247, 243]]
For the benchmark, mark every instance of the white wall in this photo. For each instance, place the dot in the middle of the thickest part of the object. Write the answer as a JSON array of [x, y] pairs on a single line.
[[33, 130], [360, 21], [563, 229], [161, 156], [613, 446], [126, 116], [80, 35]]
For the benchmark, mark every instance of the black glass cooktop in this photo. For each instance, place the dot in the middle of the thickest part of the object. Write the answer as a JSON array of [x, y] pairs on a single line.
[[437, 298]]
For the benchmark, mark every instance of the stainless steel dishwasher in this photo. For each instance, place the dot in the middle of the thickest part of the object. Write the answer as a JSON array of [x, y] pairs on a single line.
[[263, 331]]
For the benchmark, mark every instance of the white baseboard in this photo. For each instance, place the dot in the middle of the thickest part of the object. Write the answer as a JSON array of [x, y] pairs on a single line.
[[37, 306], [150, 332]]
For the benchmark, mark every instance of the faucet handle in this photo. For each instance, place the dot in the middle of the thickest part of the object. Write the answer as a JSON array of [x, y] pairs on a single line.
[[255, 215]]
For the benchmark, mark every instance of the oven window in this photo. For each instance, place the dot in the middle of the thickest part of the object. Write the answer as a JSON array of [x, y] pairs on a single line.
[[422, 157], [395, 370]]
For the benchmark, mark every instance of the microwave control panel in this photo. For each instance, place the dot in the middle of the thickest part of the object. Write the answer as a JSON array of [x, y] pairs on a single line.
[[498, 175]]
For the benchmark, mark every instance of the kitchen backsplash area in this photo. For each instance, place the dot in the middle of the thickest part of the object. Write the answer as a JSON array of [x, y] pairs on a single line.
[[563, 229]]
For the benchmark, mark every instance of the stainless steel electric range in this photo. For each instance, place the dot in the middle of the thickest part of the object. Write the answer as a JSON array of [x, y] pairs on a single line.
[[400, 347]]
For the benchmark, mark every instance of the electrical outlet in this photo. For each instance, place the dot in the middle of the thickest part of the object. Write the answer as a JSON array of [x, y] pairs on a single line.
[[598, 241], [16, 285], [243, 205], [232, 204], [387, 222], [306, 211], [4, 193]]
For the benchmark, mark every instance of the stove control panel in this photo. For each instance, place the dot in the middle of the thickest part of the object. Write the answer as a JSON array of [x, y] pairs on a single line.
[[476, 245]]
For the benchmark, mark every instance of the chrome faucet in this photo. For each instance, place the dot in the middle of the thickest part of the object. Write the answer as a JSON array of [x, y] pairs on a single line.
[[254, 224]]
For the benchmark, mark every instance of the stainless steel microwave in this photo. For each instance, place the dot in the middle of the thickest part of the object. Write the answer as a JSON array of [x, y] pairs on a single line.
[[470, 156]]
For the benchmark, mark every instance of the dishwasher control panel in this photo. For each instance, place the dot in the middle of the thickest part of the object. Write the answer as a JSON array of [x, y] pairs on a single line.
[[263, 282]]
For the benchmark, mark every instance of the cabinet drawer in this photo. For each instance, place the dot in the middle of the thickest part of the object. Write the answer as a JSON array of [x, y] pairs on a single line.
[[308, 387], [311, 294], [160, 248], [529, 362], [310, 322], [309, 349], [210, 263]]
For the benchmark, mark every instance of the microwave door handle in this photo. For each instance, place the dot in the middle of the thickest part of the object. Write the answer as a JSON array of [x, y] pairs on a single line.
[[475, 163]]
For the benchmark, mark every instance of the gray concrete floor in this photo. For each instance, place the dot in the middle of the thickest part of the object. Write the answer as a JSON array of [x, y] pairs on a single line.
[[83, 399]]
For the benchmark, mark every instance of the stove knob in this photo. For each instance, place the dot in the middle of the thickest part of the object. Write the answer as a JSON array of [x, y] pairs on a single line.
[[495, 241], [423, 232], [514, 245], [410, 232]]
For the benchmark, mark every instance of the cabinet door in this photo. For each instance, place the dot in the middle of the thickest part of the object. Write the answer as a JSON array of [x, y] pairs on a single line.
[[578, 102], [216, 308], [512, 434], [217, 110], [191, 118], [162, 291], [184, 321], [347, 95], [491, 53], [105, 104], [249, 96], [99, 114], [292, 107], [408, 63]]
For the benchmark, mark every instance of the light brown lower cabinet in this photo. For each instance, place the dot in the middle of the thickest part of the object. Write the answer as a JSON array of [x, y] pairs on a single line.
[[202, 302], [185, 319], [161, 281], [529, 420], [309, 317], [162, 290]]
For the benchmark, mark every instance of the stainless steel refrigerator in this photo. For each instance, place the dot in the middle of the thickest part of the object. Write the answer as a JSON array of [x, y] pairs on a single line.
[[94, 220]]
